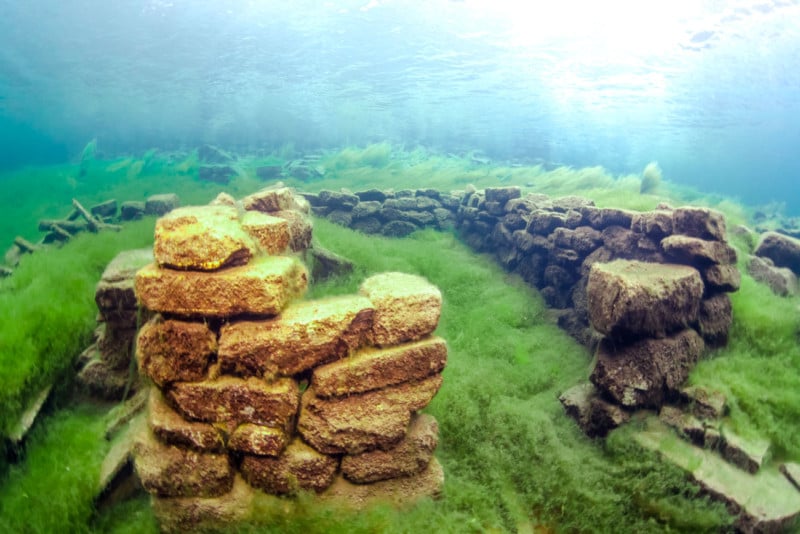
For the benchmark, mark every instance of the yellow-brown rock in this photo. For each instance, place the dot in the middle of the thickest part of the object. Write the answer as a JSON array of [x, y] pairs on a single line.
[[191, 514], [228, 398], [263, 287], [306, 334], [271, 233], [299, 229], [270, 200], [358, 423], [170, 471], [403, 491], [202, 238], [257, 439], [172, 351], [172, 429], [299, 468], [374, 368], [407, 307], [409, 457]]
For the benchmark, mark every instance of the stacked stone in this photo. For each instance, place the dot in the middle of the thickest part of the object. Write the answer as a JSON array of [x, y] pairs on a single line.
[[256, 389], [389, 213], [106, 371]]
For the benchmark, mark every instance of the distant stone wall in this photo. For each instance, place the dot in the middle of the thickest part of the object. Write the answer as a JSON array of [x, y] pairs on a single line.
[[258, 390]]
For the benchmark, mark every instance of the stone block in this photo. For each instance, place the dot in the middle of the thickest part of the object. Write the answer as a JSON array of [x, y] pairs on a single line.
[[300, 467], [271, 233], [703, 223], [407, 458], [704, 403], [257, 439], [300, 229], [373, 368], [306, 334], [698, 252], [722, 278], [630, 298], [656, 224], [358, 423], [595, 416], [783, 250], [714, 319], [262, 287], [203, 238], [270, 200], [172, 351], [746, 453], [160, 204], [407, 307], [227, 398], [403, 491], [781, 280], [172, 429], [115, 294], [169, 471], [646, 372]]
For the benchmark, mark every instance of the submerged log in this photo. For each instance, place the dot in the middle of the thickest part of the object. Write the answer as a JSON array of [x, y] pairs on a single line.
[[92, 221], [24, 244], [71, 226]]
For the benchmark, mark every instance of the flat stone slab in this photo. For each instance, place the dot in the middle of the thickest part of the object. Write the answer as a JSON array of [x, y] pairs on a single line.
[[300, 467], [398, 492], [172, 429], [175, 351], [202, 238], [595, 416], [407, 307], [646, 372], [704, 403], [169, 471], [270, 200], [271, 233], [409, 457], [791, 471], [747, 454], [25, 422], [306, 334], [767, 501], [262, 287], [358, 423], [228, 398], [632, 299], [698, 252], [374, 368]]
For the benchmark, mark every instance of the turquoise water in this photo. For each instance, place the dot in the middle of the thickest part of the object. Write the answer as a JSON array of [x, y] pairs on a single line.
[[709, 89]]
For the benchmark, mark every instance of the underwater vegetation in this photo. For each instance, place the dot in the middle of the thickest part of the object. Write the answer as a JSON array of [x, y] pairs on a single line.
[[513, 461], [651, 178]]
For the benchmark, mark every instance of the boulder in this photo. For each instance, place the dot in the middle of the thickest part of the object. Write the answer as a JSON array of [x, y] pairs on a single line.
[[203, 238], [725, 278], [169, 471], [114, 295], [300, 229], [398, 228], [105, 209], [373, 368], [403, 491], [781, 280], [261, 440], [704, 403], [305, 335], [583, 239], [630, 298], [159, 204], [174, 351], [131, 210], [411, 456], [646, 372], [269, 200], [271, 233], [656, 224], [363, 422], [502, 195], [368, 225], [698, 252], [366, 208], [601, 218], [784, 251], [170, 428], [338, 200], [326, 264], [371, 195], [407, 307], [703, 223], [239, 400], [220, 174], [299, 468], [264, 287], [595, 416]]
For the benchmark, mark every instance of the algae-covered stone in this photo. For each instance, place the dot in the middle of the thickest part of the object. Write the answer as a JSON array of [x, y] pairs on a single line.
[[373, 368], [595, 416], [722, 278], [644, 373], [407, 307], [202, 238], [631, 298], [306, 334], [300, 467], [698, 252], [257, 439], [171, 351], [715, 318], [114, 294], [172, 429], [783, 250], [270, 200], [403, 491], [196, 514], [409, 457], [228, 398], [271, 233], [264, 287], [169, 471], [704, 223], [358, 423], [300, 229]]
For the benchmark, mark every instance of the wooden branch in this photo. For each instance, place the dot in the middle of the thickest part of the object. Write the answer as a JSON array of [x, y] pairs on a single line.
[[24, 244], [94, 223]]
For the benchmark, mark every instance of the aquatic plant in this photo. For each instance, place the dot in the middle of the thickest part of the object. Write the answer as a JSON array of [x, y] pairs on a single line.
[[651, 178]]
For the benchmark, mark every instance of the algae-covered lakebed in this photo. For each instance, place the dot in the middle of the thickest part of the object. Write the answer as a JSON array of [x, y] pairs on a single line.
[[513, 461]]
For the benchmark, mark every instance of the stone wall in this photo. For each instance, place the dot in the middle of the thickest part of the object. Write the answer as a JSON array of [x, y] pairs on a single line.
[[257, 390]]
